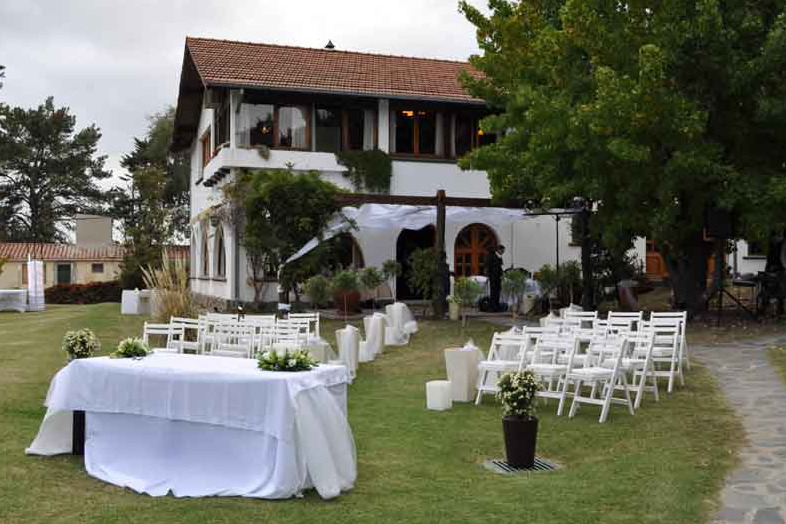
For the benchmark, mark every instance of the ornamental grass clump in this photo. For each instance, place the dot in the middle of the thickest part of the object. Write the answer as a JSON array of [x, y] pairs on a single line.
[[172, 296], [517, 394], [294, 360], [81, 344], [131, 348]]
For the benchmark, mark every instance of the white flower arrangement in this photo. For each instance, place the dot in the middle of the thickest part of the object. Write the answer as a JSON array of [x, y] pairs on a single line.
[[81, 344], [289, 360], [517, 394], [131, 348]]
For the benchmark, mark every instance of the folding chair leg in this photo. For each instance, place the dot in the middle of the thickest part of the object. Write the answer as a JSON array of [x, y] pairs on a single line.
[[672, 371], [655, 383], [574, 405], [562, 397], [604, 412], [481, 382], [627, 393], [641, 387]]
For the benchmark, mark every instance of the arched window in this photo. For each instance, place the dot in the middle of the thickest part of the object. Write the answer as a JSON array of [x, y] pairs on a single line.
[[472, 244], [220, 254], [205, 254]]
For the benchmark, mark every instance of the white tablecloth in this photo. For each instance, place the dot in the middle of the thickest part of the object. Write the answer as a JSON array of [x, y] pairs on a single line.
[[462, 368], [202, 425], [13, 300]]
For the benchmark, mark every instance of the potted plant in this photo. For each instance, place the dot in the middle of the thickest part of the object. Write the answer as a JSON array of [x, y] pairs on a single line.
[[465, 293], [80, 344], [519, 423], [454, 309], [370, 279], [514, 284], [391, 270], [345, 291], [318, 290]]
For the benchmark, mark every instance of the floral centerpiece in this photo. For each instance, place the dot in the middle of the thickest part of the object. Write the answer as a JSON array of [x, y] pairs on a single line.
[[131, 348], [519, 424], [289, 360], [80, 344]]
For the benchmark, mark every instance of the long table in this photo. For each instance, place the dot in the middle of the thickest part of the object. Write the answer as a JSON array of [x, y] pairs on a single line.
[[201, 425]]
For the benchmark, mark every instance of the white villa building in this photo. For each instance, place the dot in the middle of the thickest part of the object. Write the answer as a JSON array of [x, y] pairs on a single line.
[[305, 105]]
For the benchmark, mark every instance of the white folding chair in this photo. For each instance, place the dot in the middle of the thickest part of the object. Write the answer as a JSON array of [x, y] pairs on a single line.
[[666, 351], [504, 357], [624, 318], [189, 324], [313, 321], [552, 358], [586, 318], [564, 325], [603, 380], [289, 333], [682, 318], [173, 335], [234, 339]]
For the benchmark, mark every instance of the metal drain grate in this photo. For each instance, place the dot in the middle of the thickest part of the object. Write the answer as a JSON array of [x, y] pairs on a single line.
[[503, 468]]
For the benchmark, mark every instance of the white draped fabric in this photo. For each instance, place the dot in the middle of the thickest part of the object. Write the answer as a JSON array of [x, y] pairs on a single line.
[[400, 324], [13, 300], [348, 341], [390, 216], [198, 426], [35, 285], [374, 343]]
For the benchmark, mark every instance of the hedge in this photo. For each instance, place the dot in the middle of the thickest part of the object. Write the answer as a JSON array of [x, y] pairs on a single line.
[[92, 293]]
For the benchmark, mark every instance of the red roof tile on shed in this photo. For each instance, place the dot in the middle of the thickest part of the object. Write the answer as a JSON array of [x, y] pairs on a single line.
[[228, 63], [17, 252]]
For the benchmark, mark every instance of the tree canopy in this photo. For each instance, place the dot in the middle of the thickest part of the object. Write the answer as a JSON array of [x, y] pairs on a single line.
[[49, 171], [654, 111]]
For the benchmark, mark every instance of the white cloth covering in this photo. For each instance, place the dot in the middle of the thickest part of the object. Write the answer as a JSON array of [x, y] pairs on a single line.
[[462, 367], [200, 426], [13, 300], [374, 343], [35, 285], [348, 341], [400, 324], [135, 302]]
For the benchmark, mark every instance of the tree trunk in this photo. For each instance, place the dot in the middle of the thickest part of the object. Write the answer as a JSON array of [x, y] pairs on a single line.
[[687, 266]]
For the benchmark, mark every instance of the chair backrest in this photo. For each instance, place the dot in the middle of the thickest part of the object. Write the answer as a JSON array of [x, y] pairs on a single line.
[[667, 335], [565, 325], [675, 316], [621, 317], [234, 339], [172, 332], [507, 346], [313, 320], [550, 346], [290, 331], [586, 318]]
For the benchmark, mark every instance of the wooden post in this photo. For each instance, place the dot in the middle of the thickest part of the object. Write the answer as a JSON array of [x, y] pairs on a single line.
[[440, 293]]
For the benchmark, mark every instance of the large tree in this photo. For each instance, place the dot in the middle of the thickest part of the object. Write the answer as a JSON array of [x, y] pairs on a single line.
[[48, 172], [655, 111], [153, 205]]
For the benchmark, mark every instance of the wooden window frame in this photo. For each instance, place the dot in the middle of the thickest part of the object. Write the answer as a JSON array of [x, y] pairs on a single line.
[[207, 149]]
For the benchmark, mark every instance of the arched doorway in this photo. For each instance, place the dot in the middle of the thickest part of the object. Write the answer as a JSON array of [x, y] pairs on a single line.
[[348, 253], [469, 254], [408, 241]]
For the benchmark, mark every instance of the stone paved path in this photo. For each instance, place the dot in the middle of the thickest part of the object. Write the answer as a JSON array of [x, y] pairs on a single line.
[[755, 493]]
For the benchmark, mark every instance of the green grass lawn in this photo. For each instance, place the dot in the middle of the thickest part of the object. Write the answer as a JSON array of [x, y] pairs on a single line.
[[666, 464]]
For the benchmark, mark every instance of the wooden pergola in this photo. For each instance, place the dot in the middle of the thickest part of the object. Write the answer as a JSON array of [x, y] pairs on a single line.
[[442, 201]]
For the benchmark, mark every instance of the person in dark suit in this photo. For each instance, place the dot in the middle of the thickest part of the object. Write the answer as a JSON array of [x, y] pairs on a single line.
[[494, 274]]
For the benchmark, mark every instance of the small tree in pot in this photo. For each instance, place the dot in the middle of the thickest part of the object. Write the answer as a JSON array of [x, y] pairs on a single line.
[[391, 270], [465, 293], [519, 423], [514, 284], [370, 279], [345, 291], [318, 290]]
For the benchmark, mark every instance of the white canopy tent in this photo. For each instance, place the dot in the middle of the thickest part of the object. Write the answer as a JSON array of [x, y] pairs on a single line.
[[384, 217]]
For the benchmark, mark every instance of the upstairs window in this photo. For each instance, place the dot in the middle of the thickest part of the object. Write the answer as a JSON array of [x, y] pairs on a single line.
[[207, 152], [468, 135], [327, 135], [255, 125], [220, 253], [293, 127], [415, 132], [222, 126]]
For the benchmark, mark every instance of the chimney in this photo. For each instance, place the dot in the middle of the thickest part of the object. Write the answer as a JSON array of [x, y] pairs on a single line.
[[93, 230], [330, 45]]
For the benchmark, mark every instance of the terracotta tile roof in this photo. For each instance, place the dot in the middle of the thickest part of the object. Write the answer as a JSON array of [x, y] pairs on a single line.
[[17, 252], [228, 63]]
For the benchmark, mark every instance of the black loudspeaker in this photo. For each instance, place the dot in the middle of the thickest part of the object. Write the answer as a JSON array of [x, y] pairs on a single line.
[[719, 223]]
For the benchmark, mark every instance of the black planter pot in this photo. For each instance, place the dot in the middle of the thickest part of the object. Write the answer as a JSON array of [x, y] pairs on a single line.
[[521, 436]]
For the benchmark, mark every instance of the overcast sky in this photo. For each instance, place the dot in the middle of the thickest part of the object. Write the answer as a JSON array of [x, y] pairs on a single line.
[[114, 62]]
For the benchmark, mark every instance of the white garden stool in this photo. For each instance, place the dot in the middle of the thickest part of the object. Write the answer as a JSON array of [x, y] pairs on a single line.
[[438, 395]]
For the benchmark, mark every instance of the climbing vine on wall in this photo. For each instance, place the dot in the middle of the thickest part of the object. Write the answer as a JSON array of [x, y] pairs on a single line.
[[368, 170]]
